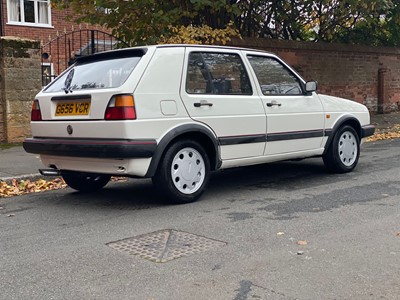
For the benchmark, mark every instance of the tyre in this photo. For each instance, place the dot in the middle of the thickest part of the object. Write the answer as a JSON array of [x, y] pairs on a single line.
[[183, 173], [85, 182], [344, 151]]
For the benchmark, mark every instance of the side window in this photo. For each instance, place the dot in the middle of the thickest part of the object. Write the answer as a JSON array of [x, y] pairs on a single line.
[[273, 77], [217, 73]]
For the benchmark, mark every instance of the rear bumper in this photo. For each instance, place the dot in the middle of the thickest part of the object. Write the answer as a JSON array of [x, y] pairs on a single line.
[[367, 130], [95, 148]]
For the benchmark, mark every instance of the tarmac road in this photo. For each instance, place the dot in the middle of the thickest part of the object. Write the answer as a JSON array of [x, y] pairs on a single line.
[[55, 245]]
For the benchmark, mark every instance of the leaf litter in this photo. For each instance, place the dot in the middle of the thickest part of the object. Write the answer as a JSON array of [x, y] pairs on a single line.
[[21, 187], [389, 133]]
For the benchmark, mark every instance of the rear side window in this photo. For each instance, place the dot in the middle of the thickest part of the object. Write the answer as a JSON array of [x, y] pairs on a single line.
[[217, 73], [100, 74]]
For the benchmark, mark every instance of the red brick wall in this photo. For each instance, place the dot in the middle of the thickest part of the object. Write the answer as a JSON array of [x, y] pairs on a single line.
[[64, 47], [58, 22], [348, 71]]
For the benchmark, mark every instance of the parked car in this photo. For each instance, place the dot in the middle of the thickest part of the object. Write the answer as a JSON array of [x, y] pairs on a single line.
[[175, 113]]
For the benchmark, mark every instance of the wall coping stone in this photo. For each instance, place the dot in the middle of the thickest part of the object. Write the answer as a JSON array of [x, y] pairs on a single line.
[[13, 41], [316, 46]]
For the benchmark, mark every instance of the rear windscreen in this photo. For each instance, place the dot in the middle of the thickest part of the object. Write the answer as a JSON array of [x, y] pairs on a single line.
[[101, 74]]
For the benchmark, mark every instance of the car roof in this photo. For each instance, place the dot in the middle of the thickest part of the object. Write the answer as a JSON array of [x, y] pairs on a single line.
[[209, 46]]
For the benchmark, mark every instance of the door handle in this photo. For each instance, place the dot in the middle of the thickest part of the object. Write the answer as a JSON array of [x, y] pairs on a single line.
[[272, 103], [202, 103]]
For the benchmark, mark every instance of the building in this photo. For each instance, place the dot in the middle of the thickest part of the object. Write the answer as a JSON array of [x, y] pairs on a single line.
[[61, 39]]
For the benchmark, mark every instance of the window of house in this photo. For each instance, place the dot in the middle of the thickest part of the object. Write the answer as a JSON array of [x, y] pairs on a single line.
[[29, 12], [217, 73]]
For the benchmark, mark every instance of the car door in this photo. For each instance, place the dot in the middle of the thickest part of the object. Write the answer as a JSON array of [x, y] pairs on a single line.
[[217, 91], [295, 119]]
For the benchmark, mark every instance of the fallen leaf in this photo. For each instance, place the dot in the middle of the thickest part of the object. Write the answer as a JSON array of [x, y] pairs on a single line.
[[119, 179], [302, 243], [21, 187], [16, 188], [385, 134]]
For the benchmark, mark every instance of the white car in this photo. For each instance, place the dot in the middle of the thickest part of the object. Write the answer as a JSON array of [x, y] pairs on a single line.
[[175, 113]]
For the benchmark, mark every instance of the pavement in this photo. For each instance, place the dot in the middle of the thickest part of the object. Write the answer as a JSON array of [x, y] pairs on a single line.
[[16, 163]]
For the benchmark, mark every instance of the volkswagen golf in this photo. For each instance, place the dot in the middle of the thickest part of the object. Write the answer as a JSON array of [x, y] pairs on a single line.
[[175, 113]]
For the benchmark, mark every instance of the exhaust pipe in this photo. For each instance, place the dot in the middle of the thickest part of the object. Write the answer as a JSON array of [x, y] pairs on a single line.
[[50, 172]]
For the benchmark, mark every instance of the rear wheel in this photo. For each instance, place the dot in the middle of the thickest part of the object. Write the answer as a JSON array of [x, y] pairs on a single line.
[[85, 182], [344, 151], [183, 173]]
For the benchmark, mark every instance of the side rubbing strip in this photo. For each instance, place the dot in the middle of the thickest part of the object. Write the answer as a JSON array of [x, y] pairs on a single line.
[[273, 137], [247, 139], [328, 132]]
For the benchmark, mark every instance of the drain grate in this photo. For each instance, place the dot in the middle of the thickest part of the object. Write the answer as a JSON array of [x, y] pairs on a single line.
[[165, 245]]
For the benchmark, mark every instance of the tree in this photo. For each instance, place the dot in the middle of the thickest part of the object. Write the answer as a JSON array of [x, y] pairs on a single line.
[[151, 21], [148, 21], [203, 34], [311, 20], [380, 29]]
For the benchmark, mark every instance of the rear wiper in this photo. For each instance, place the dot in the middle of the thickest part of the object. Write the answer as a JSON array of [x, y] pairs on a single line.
[[67, 83], [67, 90]]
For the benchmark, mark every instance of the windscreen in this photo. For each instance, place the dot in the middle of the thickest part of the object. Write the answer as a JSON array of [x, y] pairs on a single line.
[[101, 74]]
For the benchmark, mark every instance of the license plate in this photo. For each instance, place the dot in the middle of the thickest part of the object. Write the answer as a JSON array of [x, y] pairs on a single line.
[[73, 108]]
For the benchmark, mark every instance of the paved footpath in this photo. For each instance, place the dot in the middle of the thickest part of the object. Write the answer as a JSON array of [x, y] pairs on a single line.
[[16, 163]]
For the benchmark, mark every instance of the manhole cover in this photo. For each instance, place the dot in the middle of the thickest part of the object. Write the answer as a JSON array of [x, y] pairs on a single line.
[[165, 245]]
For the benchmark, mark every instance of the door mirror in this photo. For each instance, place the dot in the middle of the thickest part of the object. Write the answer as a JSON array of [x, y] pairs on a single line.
[[311, 86]]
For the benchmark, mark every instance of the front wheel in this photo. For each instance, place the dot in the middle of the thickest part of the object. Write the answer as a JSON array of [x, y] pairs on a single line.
[[184, 172], [85, 182], [344, 151]]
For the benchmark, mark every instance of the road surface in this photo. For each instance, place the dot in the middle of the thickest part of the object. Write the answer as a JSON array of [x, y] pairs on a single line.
[[278, 231]]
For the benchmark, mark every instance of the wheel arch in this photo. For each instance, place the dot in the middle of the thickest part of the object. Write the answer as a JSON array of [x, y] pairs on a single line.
[[342, 121], [196, 132]]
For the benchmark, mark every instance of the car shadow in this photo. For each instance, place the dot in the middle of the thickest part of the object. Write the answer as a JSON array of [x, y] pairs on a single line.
[[286, 174], [136, 194], [129, 194]]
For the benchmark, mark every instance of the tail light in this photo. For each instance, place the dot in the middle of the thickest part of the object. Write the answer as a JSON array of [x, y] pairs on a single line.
[[121, 107], [36, 115]]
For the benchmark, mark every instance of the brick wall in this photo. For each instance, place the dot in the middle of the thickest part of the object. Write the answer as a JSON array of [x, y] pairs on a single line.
[[59, 25], [348, 71], [20, 80], [64, 47], [2, 103]]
